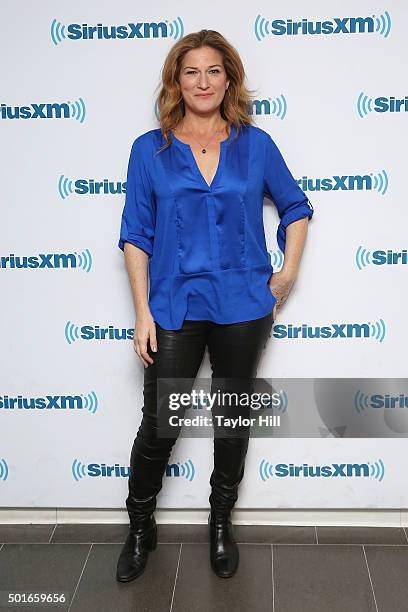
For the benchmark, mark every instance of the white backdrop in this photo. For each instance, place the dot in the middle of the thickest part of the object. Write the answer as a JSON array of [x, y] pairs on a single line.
[[70, 403]]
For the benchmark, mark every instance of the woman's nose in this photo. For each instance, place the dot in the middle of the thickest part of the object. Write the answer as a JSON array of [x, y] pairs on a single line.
[[202, 82]]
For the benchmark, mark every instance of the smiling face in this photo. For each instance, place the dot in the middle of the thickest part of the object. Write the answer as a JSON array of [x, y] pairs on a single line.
[[203, 80]]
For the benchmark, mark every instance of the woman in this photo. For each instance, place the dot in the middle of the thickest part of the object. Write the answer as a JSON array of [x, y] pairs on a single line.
[[193, 216]]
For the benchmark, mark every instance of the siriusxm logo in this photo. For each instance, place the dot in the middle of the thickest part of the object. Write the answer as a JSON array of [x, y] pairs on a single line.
[[80, 261], [362, 401], [83, 31], [334, 470], [94, 332], [88, 402], [338, 25], [382, 104], [269, 106], [335, 330], [54, 110], [80, 470], [67, 186], [380, 257], [357, 182], [4, 470]]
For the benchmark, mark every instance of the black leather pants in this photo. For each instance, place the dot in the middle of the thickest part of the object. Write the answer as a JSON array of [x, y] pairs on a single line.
[[234, 350]]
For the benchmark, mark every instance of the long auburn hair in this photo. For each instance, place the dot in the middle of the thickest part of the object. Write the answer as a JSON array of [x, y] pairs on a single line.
[[170, 104]]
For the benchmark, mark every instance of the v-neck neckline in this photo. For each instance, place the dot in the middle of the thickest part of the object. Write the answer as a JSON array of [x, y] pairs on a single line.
[[194, 163]]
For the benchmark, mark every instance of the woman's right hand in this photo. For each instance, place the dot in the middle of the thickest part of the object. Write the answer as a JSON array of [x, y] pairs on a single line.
[[280, 285], [145, 331]]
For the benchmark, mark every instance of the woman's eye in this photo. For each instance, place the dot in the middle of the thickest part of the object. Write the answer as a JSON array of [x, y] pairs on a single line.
[[193, 71]]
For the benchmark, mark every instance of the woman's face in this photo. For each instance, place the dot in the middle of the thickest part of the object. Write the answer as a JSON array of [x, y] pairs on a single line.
[[203, 80]]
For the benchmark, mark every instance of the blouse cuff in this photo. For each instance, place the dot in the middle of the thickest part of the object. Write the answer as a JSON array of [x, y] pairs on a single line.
[[301, 211], [139, 241]]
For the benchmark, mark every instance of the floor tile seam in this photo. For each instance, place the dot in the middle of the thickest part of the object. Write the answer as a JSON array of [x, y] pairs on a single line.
[[52, 534], [175, 578], [369, 577], [80, 577]]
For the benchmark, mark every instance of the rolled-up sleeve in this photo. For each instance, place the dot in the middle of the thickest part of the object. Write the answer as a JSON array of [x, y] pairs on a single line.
[[279, 185], [139, 212]]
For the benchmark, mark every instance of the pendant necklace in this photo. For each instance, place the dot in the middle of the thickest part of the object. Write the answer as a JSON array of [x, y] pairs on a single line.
[[204, 149]]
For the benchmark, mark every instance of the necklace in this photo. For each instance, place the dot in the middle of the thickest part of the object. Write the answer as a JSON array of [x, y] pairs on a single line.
[[204, 147]]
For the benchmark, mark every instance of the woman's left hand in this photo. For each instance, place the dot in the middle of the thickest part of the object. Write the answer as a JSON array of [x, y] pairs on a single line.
[[280, 285]]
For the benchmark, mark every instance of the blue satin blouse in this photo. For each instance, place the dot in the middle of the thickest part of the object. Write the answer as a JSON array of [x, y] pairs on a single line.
[[208, 258]]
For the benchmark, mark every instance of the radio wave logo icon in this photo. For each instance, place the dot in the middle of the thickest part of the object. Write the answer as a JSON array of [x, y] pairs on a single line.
[[78, 470], [363, 257], [380, 182], [261, 27], [360, 401], [65, 187], [78, 110], [71, 332], [176, 28], [90, 402], [377, 470], [4, 471], [377, 330], [265, 470], [364, 105], [57, 31], [188, 470], [279, 107], [84, 260], [383, 24], [276, 258]]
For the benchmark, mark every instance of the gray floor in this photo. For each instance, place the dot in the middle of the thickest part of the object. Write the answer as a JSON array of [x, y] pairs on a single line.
[[282, 569]]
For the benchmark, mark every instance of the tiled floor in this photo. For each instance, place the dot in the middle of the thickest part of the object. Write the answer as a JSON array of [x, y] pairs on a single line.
[[282, 569]]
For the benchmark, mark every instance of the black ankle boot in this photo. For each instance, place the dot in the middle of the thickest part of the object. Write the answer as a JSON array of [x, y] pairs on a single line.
[[141, 539], [224, 554]]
